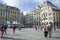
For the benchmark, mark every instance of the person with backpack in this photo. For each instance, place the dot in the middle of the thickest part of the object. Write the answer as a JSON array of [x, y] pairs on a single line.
[[45, 31]]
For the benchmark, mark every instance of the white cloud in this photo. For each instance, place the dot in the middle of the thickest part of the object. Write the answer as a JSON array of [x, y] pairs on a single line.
[[9, 2], [39, 1], [14, 3], [25, 12], [21, 3]]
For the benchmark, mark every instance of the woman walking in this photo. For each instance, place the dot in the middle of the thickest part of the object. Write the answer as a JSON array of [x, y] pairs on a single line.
[[45, 31]]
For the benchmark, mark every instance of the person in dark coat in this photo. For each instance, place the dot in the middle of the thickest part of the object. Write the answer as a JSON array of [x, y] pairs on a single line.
[[5, 28], [50, 27], [2, 30]]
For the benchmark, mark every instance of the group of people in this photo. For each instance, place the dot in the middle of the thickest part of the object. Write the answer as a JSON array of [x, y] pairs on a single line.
[[3, 29], [48, 30]]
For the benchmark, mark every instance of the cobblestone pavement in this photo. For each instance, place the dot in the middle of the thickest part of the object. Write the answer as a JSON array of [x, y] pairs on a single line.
[[29, 34]]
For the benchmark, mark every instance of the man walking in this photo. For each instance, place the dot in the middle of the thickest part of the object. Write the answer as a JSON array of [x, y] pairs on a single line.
[[2, 30], [5, 27], [50, 27]]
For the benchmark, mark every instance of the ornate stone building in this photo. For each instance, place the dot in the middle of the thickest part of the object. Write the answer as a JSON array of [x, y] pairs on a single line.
[[33, 17], [36, 15], [29, 19], [46, 13], [9, 14], [50, 13]]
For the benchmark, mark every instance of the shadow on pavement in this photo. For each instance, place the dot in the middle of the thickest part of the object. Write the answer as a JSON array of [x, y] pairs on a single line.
[[56, 37], [8, 38]]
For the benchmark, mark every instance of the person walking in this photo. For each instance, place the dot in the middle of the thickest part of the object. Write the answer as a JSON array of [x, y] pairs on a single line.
[[19, 28], [36, 27], [46, 31], [2, 30], [5, 28], [54, 28], [50, 27], [14, 29]]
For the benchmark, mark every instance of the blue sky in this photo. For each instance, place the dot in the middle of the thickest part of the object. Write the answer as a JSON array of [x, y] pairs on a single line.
[[26, 5]]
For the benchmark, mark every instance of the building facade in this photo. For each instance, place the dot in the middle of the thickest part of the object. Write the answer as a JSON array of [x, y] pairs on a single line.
[[36, 15], [9, 14], [33, 17], [43, 15], [29, 19], [50, 13]]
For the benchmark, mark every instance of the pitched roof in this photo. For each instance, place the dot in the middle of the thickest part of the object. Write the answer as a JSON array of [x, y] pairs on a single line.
[[49, 3], [55, 9]]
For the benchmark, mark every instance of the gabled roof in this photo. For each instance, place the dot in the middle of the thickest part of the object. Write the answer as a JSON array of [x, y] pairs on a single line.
[[55, 9], [8, 7], [49, 3]]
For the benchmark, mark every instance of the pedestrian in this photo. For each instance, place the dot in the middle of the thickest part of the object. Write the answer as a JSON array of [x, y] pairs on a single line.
[[54, 28], [19, 28], [14, 29], [5, 28], [50, 27], [36, 27], [2, 30], [46, 31]]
